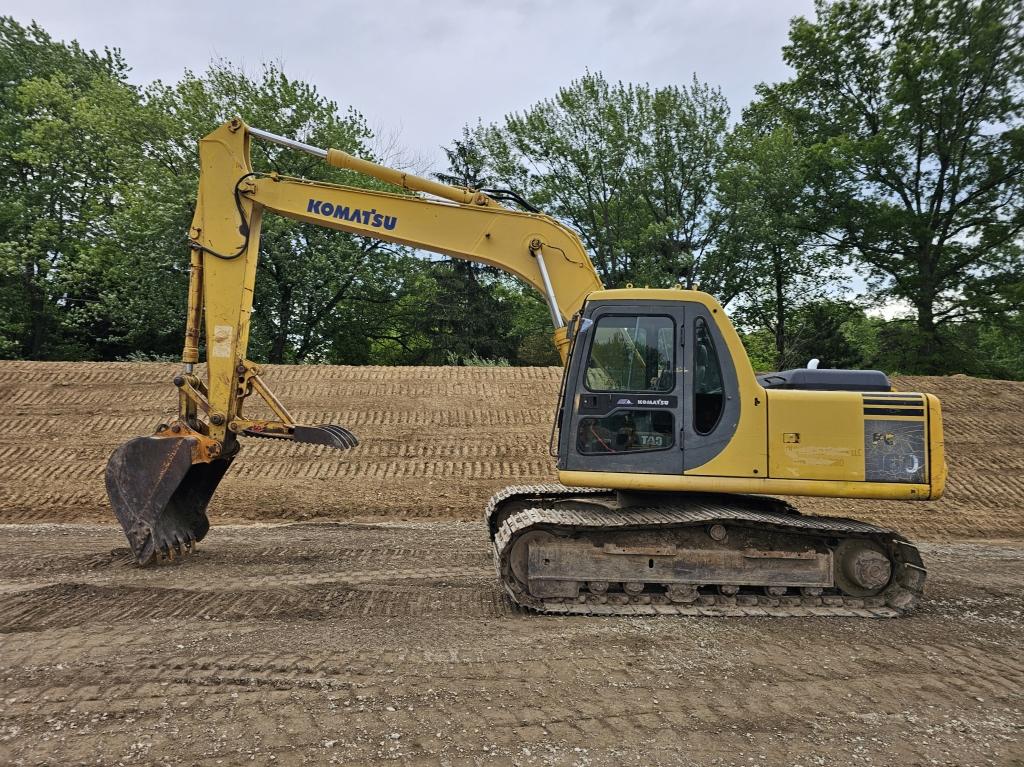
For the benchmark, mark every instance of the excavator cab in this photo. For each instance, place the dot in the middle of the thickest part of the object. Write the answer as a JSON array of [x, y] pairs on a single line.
[[661, 396], [653, 386]]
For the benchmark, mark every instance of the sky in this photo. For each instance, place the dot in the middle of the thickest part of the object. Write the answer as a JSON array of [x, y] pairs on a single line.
[[419, 70]]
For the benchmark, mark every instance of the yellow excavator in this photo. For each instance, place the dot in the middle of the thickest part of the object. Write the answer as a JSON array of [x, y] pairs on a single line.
[[669, 446]]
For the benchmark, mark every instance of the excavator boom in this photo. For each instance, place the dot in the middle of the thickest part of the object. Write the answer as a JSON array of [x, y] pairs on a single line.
[[159, 486]]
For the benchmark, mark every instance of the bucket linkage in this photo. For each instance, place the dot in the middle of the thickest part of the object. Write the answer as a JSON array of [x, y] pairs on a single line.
[[159, 486]]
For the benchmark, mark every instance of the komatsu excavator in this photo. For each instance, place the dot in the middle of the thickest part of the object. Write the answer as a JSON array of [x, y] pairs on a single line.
[[669, 446]]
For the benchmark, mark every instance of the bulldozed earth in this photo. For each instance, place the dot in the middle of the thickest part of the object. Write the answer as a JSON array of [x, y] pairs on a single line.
[[344, 607]]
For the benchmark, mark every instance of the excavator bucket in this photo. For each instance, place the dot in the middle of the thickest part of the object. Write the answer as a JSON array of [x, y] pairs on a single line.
[[159, 493]]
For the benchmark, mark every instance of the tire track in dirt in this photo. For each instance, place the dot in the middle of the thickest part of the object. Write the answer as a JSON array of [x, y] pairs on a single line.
[[318, 599], [413, 668], [803, 689], [415, 448], [311, 470]]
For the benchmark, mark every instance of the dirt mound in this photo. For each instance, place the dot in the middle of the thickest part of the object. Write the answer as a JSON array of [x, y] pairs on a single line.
[[436, 442]]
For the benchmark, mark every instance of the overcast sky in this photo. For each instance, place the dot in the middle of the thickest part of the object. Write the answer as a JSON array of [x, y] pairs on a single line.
[[419, 70]]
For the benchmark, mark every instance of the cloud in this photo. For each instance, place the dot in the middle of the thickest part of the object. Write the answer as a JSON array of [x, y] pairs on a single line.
[[428, 68]]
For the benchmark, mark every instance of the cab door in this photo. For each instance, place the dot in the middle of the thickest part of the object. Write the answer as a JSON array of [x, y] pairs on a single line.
[[623, 407]]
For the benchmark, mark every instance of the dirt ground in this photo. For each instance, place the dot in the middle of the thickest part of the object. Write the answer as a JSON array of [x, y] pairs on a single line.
[[344, 608], [390, 643]]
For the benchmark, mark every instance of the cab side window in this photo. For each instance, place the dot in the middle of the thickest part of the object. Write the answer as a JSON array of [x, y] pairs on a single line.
[[708, 394]]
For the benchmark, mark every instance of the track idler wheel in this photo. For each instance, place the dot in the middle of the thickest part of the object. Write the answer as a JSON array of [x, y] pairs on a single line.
[[862, 567], [159, 488]]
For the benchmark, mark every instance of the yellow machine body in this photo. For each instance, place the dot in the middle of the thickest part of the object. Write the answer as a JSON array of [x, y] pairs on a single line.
[[791, 442], [794, 442]]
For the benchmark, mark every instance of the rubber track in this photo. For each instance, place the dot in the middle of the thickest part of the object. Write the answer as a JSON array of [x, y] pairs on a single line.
[[899, 597]]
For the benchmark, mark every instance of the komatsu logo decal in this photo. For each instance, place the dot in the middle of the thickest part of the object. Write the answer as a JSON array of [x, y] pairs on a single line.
[[345, 213], [644, 402]]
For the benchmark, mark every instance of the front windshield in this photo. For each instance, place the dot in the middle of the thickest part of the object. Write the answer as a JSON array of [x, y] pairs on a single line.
[[631, 353]]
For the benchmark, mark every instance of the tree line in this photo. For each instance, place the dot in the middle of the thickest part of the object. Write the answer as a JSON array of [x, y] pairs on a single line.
[[867, 211]]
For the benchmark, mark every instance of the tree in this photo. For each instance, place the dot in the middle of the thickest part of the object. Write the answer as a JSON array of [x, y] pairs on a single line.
[[474, 311], [915, 113], [570, 156], [468, 164], [99, 189], [629, 167], [826, 330], [65, 116], [680, 150], [463, 309], [305, 272], [779, 265]]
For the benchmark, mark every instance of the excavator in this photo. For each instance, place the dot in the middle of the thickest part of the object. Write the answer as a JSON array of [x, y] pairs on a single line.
[[670, 449]]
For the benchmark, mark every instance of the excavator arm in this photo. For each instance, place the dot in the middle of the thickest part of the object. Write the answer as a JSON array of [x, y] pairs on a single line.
[[159, 486]]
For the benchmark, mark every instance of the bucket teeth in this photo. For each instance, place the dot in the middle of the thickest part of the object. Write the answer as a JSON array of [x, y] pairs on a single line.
[[331, 435], [159, 496]]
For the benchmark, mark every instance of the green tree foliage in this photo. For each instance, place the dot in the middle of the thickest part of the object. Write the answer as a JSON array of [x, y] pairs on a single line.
[[306, 273], [468, 164], [998, 347], [459, 318], [897, 147], [836, 333], [762, 188], [475, 312], [840, 334], [679, 134], [826, 330], [65, 117], [914, 111], [631, 168], [101, 191]]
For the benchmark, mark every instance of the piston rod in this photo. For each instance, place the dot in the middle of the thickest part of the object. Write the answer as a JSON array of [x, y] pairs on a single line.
[[413, 183], [537, 250]]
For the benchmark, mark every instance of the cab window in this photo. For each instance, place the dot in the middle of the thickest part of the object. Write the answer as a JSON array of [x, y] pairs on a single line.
[[625, 431], [631, 353], [708, 395]]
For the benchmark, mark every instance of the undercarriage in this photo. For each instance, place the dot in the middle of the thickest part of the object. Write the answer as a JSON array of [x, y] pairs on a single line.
[[597, 552]]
